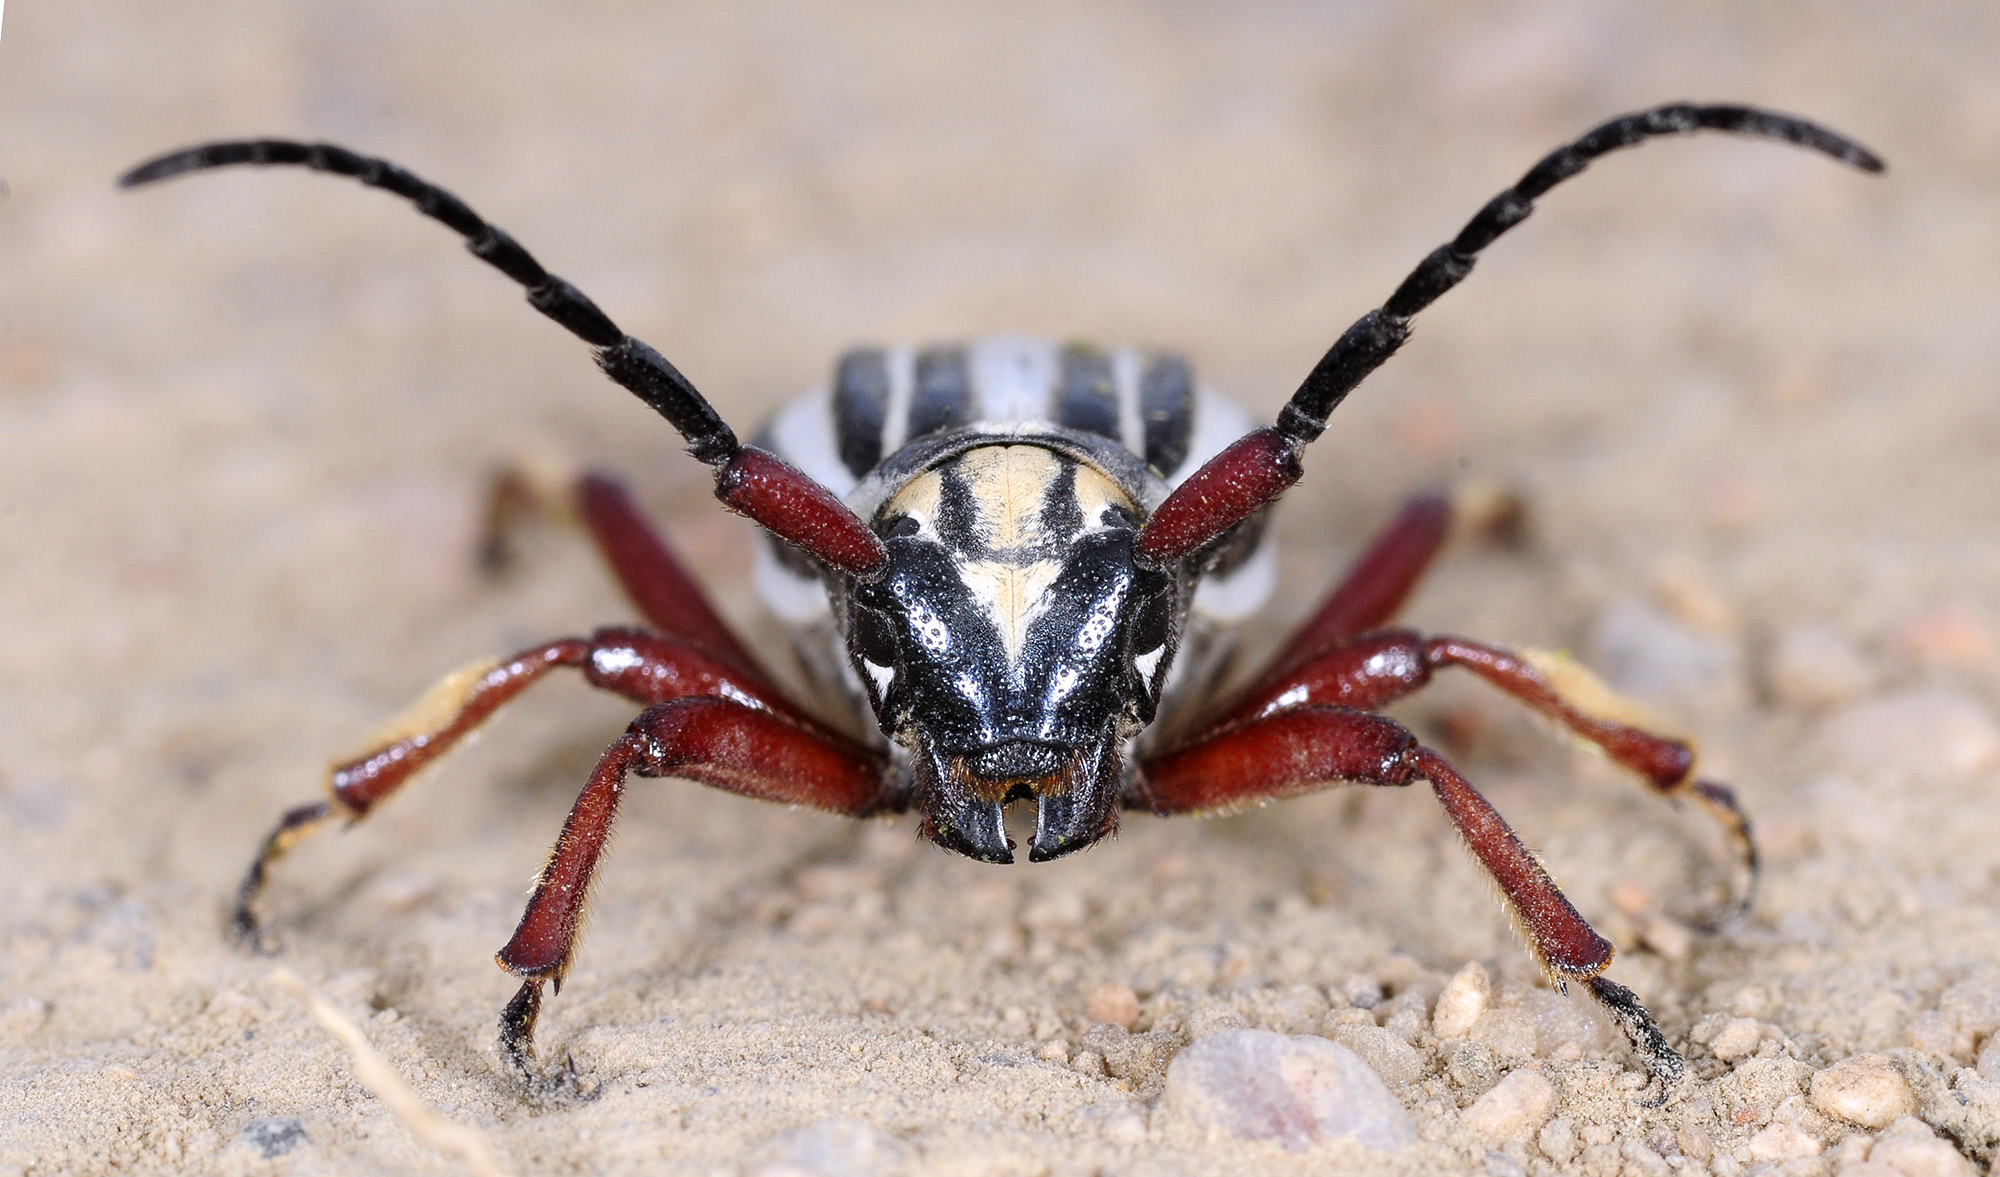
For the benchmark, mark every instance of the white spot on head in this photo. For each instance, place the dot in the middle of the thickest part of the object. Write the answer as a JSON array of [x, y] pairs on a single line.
[[1150, 661], [881, 676]]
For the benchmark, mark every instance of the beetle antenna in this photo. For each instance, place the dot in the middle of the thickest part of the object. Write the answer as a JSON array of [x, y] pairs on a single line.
[[1261, 465], [781, 498]]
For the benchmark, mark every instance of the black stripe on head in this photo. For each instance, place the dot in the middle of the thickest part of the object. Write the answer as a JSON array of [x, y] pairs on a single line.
[[860, 405], [1062, 514], [1089, 400], [943, 396], [957, 519], [1166, 406]]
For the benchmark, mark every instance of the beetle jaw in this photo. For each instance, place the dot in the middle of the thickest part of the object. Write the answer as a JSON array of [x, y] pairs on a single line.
[[963, 798]]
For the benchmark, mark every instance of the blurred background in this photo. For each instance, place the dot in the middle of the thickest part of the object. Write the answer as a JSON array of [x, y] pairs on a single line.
[[1748, 396]]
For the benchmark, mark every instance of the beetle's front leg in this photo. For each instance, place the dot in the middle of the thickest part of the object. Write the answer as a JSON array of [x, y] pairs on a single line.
[[720, 742], [1302, 749], [645, 667]]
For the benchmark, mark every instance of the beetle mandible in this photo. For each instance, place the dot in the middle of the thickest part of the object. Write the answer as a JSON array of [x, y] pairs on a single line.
[[1020, 564]]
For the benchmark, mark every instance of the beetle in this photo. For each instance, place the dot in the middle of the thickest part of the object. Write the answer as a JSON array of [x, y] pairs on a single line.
[[1019, 565]]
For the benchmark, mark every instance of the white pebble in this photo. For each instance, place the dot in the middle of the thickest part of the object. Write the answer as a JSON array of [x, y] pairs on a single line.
[[1865, 1089], [1515, 1107], [1295, 1092], [1463, 1000], [1737, 1039], [1557, 1140], [1646, 653], [1782, 1142], [1989, 1059], [1389, 1056], [1912, 735], [1113, 1004], [1812, 666], [845, 1147], [1912, 1150]]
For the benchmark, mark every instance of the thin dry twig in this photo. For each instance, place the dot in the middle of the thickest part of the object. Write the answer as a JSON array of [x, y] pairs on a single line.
[[374, 1072]]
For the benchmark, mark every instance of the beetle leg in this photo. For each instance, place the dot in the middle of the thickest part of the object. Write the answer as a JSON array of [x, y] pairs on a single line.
[[741, 749], [645, 667], [1376, 669], [1381, 579], [1302, 749], [646, 568]]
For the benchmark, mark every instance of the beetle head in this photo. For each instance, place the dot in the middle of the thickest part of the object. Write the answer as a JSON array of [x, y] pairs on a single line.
[[1013, 645]]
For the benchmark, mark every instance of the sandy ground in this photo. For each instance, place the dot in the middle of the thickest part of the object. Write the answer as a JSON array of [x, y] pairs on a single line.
[[1750, 397]]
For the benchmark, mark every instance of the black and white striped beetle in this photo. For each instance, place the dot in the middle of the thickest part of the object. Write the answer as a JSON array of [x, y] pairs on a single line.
[[1019, 563]]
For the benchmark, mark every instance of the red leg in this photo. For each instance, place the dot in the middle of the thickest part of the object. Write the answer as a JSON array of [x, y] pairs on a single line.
[[1371, 671], [653, 578], [1378, 584], [665, 595], [1301, 749], [644, 667], [719, 742]]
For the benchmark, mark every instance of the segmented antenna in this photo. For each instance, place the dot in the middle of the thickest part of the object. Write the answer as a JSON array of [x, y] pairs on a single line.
[[780, 497], [1261, 465]]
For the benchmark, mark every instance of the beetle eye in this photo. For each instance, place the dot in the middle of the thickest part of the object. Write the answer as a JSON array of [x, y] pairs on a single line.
[[875, 639], [1150, 630]]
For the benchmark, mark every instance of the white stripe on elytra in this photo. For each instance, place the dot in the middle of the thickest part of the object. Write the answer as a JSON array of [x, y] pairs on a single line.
[[902, 362], [1012, 377], [1125, 378], [1217, 422]]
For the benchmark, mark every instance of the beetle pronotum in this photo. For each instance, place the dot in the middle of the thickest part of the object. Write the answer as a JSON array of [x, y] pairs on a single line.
[[1018, 564]]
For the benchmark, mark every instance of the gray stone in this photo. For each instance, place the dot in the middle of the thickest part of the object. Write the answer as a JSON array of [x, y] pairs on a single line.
[[274, 1136], [1297, 1092]]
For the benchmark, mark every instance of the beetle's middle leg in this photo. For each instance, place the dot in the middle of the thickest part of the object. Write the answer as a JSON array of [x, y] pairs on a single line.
[[1376, 669], [645, 667]]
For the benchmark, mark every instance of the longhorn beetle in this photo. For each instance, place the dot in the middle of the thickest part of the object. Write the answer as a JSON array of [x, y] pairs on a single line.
[[1019, 564]]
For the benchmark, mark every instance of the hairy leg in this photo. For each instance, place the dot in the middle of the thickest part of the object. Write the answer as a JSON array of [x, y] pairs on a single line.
[[719, 742], [644, 667], [1373, 670], [1303, 749]]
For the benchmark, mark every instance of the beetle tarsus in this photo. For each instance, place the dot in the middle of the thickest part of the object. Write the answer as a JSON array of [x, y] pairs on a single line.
[[1660, 1058]]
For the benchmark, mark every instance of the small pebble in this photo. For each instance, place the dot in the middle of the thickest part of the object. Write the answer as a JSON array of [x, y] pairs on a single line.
[[1646, 653], [1947, 636], [1782, 1142], [1295, 1092], [1914, 734], [274, 1136], [1514, 1109], [1737, 1039], [1989, 1059], [1508, 1032], [1813, 666], [1388, 1055], [1213, 1020], [1911, 1149], [1934, 1032], [1054, 1052], [1865, 1089], [1974, 1005], [1463, 1000], [1557, 1140], [1116, 1004], [831, 1148]]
